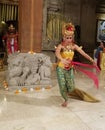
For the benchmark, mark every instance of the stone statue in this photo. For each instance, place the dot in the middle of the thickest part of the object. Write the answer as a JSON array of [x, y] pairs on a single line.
[[28, 69], [44, 70]]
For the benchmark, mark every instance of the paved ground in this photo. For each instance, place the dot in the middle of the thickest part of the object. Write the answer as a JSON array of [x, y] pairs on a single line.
[[41, 109]]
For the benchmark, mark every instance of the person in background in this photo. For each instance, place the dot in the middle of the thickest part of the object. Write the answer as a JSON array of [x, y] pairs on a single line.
[[97, 53], [10, 40], [65, 67]]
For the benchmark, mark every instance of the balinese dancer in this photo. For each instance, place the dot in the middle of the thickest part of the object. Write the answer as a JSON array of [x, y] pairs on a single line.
[[65, 66], [11, 40]]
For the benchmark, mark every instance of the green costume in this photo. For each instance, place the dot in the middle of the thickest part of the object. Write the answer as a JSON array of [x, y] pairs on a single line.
[[66, 80]]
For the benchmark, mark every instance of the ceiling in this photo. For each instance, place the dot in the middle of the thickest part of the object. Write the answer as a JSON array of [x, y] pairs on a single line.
[[100, 4], [9, 1], [16, 1]]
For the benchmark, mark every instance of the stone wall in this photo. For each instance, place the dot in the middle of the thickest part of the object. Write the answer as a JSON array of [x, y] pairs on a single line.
[[81, 13]]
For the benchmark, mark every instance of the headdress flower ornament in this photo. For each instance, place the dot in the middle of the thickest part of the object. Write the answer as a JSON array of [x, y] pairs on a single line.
[[68, 29]]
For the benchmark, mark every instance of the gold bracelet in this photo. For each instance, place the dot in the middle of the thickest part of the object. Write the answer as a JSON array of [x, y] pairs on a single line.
[[91, 60]]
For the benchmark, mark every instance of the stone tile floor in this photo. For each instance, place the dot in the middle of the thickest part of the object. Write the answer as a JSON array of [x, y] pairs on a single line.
[[41, 110]]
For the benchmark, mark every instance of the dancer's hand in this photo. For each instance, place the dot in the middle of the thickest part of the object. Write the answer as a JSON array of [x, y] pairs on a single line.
[[98, 69], [94, 63], [66, 62]]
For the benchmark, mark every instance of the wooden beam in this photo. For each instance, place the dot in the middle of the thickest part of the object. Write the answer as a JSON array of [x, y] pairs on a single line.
[[11, 2]]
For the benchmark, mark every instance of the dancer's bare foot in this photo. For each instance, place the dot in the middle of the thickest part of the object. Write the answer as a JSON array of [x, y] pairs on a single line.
[[64, 104]]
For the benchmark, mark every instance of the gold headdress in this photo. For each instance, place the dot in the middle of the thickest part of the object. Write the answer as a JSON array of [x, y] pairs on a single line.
[[11, 27], [68, 29]]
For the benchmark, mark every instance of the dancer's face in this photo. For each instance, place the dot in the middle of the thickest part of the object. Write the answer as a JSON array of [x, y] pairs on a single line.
[[68, 38]]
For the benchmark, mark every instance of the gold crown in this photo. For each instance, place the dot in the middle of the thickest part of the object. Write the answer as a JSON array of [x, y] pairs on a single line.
[[68, 29], [11, 27]]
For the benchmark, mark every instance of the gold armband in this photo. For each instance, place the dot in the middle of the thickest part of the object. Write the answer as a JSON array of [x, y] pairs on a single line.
[[80, 48]]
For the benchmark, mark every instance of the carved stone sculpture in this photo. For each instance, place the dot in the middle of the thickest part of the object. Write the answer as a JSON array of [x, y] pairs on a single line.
[[28, 69]]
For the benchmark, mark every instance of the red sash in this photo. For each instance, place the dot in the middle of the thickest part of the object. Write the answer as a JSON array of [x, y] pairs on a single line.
[[79, 66]]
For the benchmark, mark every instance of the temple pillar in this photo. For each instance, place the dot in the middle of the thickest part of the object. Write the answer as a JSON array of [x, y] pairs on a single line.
[[30, 25], [88, 24]]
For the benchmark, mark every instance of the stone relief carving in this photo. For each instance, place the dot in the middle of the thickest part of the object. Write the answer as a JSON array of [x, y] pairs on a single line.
[[28, 69]]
